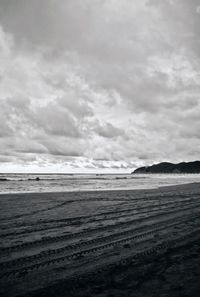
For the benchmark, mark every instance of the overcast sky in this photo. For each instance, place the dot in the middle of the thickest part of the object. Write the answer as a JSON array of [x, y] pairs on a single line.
[[98, 85]]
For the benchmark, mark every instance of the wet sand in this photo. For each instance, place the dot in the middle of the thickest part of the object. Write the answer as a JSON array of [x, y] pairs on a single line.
[[110, 243]]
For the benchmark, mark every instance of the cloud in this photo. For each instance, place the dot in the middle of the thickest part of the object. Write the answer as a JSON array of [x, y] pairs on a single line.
[[107, 130], [108, 84]]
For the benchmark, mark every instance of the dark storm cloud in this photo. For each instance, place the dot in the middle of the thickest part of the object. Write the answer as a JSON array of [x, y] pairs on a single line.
[[109, 84]]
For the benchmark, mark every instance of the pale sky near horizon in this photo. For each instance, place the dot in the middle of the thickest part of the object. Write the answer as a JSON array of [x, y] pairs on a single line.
[[98, 85]]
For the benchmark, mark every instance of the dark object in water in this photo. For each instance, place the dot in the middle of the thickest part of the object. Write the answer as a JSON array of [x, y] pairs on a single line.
[[3, 179], [37, 178]]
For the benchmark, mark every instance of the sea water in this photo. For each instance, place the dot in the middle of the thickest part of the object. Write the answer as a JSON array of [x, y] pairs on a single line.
[[23, 183]]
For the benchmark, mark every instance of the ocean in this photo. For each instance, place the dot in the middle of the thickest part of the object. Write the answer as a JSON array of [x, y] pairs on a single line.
[[23, 183]]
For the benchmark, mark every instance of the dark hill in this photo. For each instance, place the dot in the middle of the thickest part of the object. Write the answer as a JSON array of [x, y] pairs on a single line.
[[166, 167]]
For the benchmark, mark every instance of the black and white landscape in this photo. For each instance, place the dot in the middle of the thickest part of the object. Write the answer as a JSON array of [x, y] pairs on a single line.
[[99, 148]]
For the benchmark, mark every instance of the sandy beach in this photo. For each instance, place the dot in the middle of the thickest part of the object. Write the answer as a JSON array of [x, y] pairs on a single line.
[[142, 243]]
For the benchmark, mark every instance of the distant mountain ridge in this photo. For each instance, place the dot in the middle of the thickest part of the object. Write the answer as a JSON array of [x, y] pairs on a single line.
[[167, 167]]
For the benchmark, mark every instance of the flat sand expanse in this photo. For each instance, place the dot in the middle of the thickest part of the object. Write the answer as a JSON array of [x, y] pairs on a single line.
[[141, 243]]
